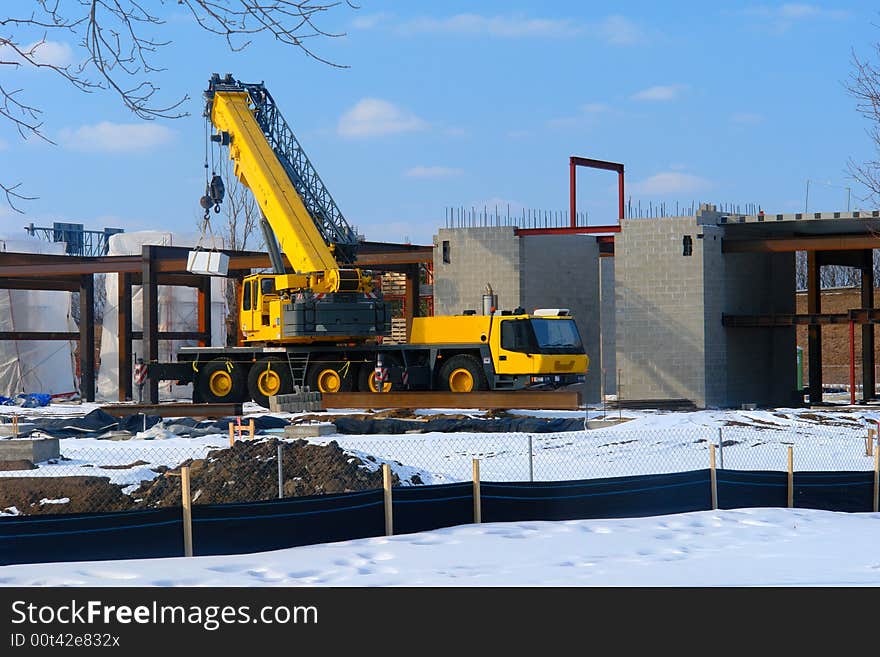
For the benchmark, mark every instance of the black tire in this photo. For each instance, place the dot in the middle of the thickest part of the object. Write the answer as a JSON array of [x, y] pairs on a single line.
[[268, 374], [221, 382], [319, 375], [366, 382], [463, 362]]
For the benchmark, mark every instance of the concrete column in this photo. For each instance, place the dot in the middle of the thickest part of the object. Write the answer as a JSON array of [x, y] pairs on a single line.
[[868, 383], [814, 331], [150, 294], [87, 336]]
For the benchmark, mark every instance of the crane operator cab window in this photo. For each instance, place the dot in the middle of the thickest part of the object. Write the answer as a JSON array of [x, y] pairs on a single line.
[[246, 296], [267, 289]]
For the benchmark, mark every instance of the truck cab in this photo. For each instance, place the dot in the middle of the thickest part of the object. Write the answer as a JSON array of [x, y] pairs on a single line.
[[506, 350]]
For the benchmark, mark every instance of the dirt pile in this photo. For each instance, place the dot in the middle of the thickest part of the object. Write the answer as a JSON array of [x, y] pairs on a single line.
[[247, 472]]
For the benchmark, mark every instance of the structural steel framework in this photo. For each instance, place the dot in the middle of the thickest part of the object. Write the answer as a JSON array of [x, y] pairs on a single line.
[[163, 265]]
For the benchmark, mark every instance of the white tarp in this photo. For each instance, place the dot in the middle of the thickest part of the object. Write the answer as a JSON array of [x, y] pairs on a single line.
[[178, 311], [44, 366]]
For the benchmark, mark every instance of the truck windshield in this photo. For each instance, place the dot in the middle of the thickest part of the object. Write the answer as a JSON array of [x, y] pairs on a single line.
[[557, 336], [541, 336]]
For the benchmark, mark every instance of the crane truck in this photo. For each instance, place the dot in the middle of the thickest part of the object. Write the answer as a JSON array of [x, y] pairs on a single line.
[[320, 323]]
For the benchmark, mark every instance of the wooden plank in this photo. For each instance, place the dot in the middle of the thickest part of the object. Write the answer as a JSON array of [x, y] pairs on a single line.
[[558, 400]]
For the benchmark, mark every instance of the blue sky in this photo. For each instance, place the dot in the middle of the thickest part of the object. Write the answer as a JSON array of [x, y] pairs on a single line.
[[480, 103]]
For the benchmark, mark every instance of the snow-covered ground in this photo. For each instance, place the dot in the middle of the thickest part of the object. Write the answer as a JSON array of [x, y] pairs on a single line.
[[738, 547], [745, 547]]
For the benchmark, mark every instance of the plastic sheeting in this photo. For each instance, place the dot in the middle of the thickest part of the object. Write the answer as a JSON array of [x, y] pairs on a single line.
[[178, 311], [42, 366]]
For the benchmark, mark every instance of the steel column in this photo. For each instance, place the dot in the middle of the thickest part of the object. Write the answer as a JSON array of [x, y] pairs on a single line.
[[150, 294], [814, 331], [204, 310], [87, 337], [868, 383], [852, 363], [411, 298], [124, 338]]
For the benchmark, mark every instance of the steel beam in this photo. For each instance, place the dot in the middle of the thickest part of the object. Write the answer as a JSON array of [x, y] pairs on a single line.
[[39, 335], [855, 242], [69, 285]]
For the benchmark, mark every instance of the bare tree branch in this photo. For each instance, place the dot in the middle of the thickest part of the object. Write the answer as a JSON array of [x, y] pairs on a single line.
[[118, 43]]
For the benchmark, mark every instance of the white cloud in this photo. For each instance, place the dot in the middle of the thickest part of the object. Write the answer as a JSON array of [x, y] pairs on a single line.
[[660, 92], [107, 137], [747, 118], [498, 26], [795, 11], [51, 53], [373, 117], [369, 21], [615, 29], [432, 172], [595, 108], [620, 31], [671, 182], [780, 19]]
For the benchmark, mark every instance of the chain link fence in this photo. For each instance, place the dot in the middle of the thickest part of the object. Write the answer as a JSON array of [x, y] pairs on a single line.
[[101, 476]]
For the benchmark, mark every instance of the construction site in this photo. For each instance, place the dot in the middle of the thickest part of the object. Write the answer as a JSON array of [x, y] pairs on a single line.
[[164, 373]]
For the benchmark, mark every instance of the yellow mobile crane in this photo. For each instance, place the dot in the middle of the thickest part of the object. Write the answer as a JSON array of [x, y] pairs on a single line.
[[320, 325]]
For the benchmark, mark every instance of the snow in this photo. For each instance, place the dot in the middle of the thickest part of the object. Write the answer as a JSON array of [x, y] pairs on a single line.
[[744, 547]]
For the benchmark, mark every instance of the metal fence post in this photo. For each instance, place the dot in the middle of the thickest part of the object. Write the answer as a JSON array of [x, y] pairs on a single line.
[[280, 476], [478, 511], [720, 448], [712, 477], [531, 460], [877, 477]]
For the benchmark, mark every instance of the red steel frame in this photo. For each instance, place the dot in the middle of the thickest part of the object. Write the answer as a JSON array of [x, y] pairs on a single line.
[[575, 162], [573, 228]]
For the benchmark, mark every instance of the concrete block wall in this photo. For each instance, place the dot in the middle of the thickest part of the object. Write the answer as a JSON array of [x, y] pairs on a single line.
[[534, 271], [671, 342], [477, 256], [659, 310], [562, 271]]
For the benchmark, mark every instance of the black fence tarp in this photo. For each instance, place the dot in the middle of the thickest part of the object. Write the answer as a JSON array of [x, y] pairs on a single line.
[[276, 524], [618, 497], [422, 508], [741, 489], [92, 536], [834, 491]]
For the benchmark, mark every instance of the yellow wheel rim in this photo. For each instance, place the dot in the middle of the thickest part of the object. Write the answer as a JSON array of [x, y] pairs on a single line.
[[269, 383], [461, 380], [329, 381], [374, 388], [220, 384]]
